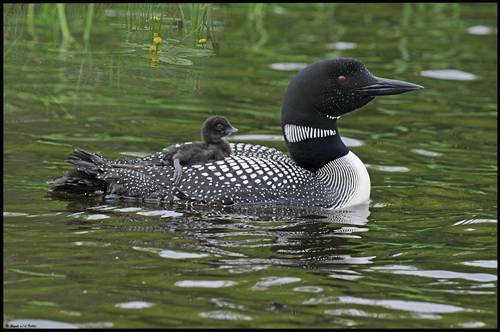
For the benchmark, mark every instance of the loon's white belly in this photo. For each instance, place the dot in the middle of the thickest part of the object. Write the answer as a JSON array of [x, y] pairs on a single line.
[[348, 177]]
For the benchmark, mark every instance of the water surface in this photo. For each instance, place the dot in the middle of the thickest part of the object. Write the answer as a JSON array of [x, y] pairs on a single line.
[[422, 254]]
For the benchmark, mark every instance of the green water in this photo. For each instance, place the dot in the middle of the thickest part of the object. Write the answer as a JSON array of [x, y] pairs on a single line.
[[423, 254]]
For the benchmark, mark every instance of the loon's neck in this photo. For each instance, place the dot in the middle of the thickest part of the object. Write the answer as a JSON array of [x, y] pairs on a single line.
[[312, 147]]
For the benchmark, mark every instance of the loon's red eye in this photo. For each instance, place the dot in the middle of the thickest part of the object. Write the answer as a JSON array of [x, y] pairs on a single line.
[[342, 79]]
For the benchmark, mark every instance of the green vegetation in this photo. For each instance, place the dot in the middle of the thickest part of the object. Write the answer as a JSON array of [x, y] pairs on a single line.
[[71, 25]]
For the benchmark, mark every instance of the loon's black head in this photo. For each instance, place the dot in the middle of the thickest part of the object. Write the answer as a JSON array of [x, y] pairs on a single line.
[[215, 128], [317, 96], [328, 89]]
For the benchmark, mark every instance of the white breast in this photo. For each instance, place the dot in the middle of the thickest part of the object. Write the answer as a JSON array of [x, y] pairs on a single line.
[[348, 177]]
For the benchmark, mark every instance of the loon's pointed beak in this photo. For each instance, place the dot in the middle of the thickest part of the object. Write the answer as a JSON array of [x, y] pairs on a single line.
[[232, 130], [386, 87]]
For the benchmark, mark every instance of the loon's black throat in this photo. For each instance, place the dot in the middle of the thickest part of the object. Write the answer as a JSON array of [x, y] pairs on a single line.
[[313, 147]]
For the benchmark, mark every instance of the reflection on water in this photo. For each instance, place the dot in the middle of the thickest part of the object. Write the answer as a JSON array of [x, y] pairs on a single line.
[[308, 238]]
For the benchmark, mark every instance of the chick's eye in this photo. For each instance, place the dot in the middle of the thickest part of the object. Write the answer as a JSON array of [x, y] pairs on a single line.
[[342, 79], [219, 126]]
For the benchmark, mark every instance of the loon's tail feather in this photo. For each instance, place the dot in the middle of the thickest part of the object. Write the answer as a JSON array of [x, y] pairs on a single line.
[[83, 179], [87, 161]]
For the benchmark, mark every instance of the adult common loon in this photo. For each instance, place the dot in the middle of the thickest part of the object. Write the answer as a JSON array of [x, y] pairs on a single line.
[[323, 172], [212, 148]]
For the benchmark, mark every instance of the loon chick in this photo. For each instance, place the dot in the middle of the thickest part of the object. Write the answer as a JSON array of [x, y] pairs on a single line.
[[323, 172], [212, 148]]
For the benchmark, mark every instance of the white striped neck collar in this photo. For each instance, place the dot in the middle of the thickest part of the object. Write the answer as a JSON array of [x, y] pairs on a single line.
[[294, 133]]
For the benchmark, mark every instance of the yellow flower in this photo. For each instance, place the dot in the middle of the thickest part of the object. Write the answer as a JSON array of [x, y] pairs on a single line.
[[155, 34], [157, 40], [152, 49], [202, 41], [156, 19]]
